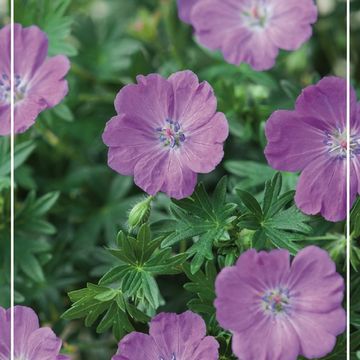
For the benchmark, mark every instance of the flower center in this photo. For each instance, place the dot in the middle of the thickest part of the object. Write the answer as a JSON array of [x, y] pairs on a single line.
[[5, 88], [171, 134], [173, 357], [276, 301], [337, 145], [257, 15]]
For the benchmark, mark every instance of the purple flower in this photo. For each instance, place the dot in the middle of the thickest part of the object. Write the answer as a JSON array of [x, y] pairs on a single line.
[[184, 8], [278, 311], [38, 80], [166, 131], [312, 139], [31, 341], [250, 31], [172, 337]]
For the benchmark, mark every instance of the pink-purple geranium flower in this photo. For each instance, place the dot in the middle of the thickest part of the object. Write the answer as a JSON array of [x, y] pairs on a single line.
[[250, 31], [279, 311], [38, 80], [172, 337], [31, 342], [185, 7], [166, 131], [312, 139]]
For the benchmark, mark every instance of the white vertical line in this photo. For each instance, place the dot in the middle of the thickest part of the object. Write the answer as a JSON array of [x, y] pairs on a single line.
[[348, 174], [12, 227]]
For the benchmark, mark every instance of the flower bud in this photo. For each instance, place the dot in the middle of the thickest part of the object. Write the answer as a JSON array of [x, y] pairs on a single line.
[[140, 213]]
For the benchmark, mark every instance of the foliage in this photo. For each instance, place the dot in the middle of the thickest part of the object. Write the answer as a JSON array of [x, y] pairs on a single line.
[[74, 234]]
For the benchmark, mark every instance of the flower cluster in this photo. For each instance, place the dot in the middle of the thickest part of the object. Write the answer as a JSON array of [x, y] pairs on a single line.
[[31, 342], [250, 31], [38, 80]]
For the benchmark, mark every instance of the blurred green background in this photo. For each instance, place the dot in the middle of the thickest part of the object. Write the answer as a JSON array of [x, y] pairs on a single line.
[[70, 205]]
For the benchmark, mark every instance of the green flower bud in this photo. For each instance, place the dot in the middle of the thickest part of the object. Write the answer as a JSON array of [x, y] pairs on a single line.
[[140, 213]]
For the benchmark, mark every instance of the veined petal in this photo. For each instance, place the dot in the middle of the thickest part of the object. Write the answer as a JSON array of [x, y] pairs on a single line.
[[48, 81], [31, 49], [317, 332], [267, 339], [315, 285], [293, 141], [320, 183], [137, 346], [153, 92]]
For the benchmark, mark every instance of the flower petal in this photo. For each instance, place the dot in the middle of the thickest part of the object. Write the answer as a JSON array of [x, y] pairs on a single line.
[[42, 344], [177, 333], [184, 8], [268, 339], [203, 148], [317, 332], [194, 102], [322, 189], [5, 334], [155, 95], [238, 300], [179, 181], [269, 268], [150, 171], [224, 21], [48, 81], [137, 346], [5, 120], [301, 14], [5, 50], [253, 48], [206, 350], [31, 49], [293, 141], [315, 285], [26, 112], [123, 130], [25, 323], [326, 101]]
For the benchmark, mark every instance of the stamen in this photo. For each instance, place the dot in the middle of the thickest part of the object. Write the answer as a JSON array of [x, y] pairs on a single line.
[[5, 88], [257, 15], [336, 143], [276, 301], [173, 357], [171, 135]]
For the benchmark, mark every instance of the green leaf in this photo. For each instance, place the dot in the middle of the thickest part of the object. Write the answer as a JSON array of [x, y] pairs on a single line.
[[31, 267], [203, 220], [21, 152], [32, 249], [50, 16], [290, 219], [281, 240], [251, 203], [283, 225], [253, 173], [96, 301], [203, 285]]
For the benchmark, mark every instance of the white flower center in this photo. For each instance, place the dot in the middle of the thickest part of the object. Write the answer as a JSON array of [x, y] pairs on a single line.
[[276, 301], [257, 15], [5, 88], [337, 145], [173, 357], [171, 134]]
